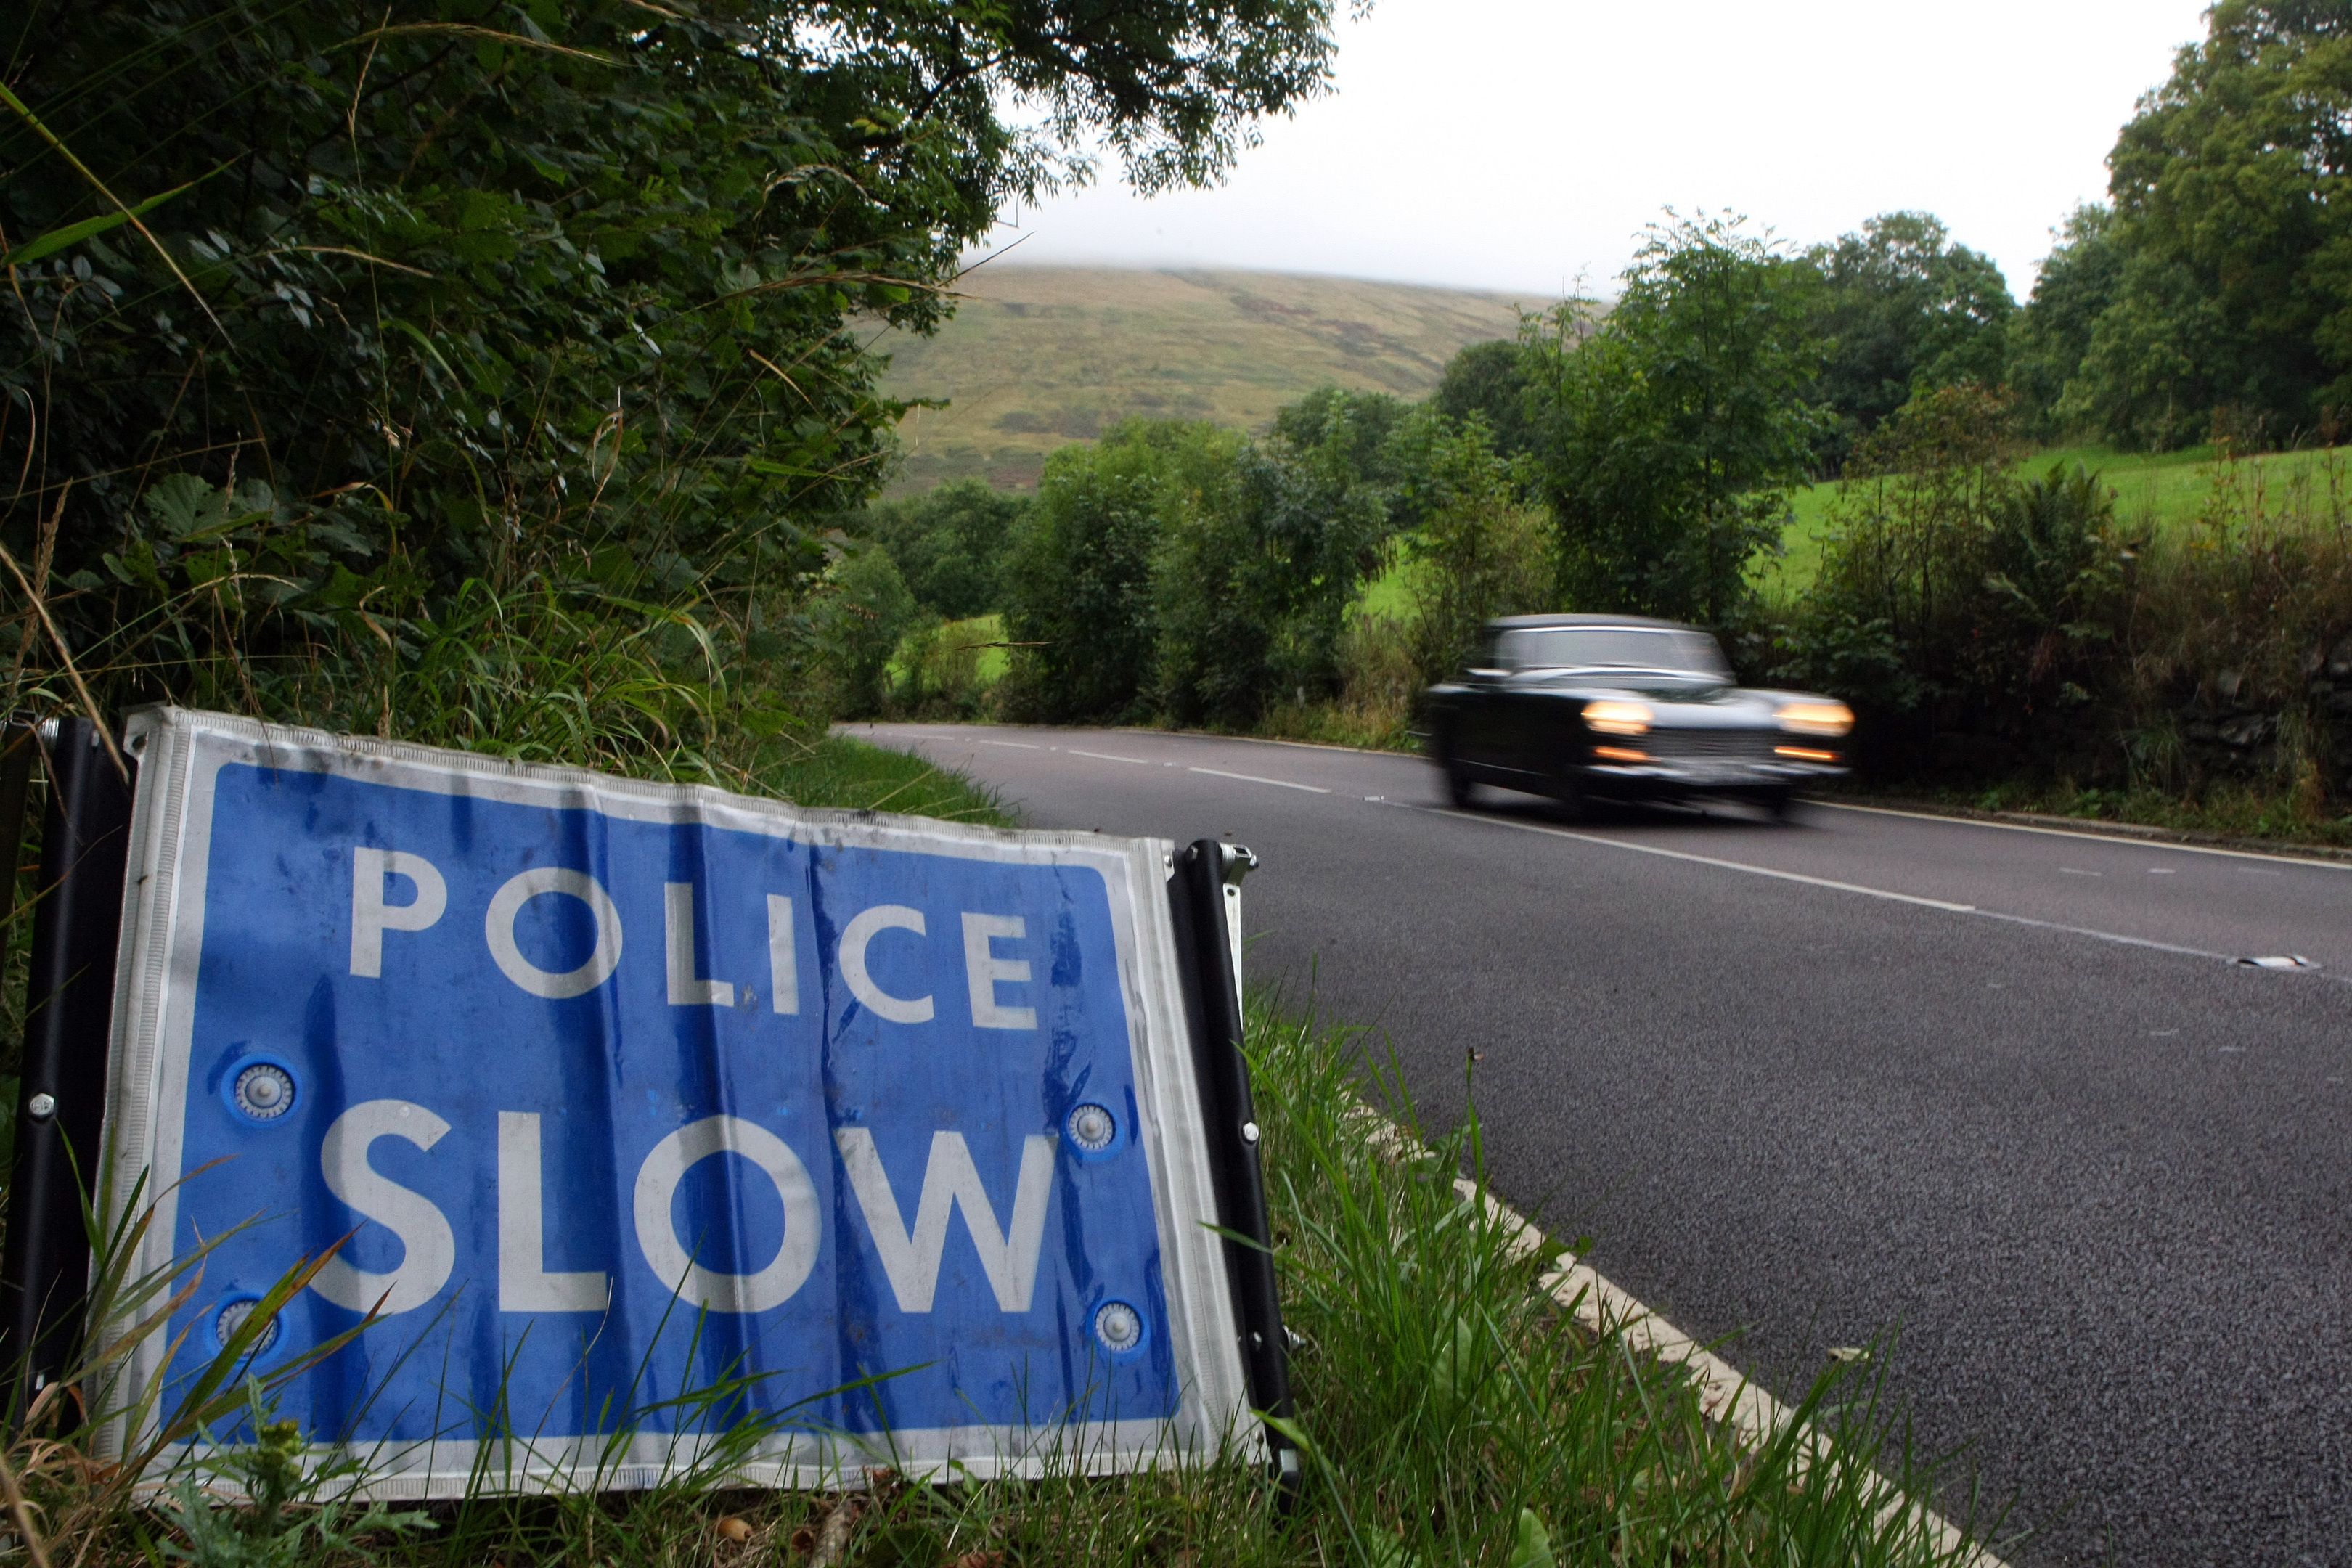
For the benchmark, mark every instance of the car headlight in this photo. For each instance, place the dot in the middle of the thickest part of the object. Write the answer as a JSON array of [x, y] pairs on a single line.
[[1817, 718], [1613, 716]]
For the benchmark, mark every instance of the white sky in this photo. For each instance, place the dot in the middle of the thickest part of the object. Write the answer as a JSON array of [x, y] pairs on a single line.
[[1518, 144]]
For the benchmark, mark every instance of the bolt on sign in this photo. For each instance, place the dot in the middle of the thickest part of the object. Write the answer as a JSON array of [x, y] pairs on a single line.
[[602, 1095]]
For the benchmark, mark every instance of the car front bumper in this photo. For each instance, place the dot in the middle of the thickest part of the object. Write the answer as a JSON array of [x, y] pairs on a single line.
[[1663, 776]]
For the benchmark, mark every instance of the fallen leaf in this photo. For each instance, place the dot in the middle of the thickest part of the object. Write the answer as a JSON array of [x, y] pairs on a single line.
[[1848, 1353]]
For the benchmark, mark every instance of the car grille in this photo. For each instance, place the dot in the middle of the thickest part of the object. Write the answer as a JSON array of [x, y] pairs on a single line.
[[1710, 745]]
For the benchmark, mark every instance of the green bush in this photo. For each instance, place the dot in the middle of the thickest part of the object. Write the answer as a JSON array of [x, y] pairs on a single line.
[[1183, 571], [1477, 550], [861, 608], [1258, 573], [1948, 586], [949, 543], [1079, 595]]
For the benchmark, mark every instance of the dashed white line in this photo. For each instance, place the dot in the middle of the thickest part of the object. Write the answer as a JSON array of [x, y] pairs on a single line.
[[1106, 757], [2115, 937], [1253, 778], [1944, 904], [1014, 745]]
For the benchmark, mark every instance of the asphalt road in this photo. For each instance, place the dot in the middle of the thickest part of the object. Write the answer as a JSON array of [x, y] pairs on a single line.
[[1998, 1089]]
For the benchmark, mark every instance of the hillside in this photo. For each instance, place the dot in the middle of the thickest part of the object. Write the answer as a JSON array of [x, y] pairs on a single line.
[[1039, 356]]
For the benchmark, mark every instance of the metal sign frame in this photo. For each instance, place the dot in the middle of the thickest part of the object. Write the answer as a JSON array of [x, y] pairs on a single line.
[[69, 999], [180, 756]]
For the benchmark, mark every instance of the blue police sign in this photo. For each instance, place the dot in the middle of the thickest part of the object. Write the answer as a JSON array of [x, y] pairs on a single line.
[[622, 1091]]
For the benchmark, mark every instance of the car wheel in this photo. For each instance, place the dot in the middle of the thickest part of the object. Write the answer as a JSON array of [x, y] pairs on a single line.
[[1460, 787], [1781, 805]]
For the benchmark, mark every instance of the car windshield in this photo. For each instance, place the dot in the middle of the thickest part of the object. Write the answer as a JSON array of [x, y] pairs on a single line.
[[1605, 647]]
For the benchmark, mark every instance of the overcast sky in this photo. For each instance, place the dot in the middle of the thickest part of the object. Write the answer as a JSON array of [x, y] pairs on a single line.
[[1516, 144]]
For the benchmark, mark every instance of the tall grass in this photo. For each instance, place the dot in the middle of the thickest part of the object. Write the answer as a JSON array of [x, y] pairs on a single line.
[[2240, 634]]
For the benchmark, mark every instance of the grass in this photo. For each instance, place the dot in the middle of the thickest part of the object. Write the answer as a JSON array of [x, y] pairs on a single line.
[[840, 771], [2226, 810], [1040, 356], [2155, 491]]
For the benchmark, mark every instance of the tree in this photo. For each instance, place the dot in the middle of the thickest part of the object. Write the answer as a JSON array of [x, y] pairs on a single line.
[[2232, 194], [1670, 436], [474, 288], [1477, 550], [1488, 380], [1081, 598], [862, 608], [948, 541], [2049, 339], [1903, 308], [1259, 568]]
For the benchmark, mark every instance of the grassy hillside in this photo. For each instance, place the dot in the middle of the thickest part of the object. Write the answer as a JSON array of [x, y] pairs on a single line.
[[1038, 356], [2156, 490]]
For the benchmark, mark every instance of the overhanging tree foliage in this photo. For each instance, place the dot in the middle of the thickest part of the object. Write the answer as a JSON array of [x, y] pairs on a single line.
[[341, 303]]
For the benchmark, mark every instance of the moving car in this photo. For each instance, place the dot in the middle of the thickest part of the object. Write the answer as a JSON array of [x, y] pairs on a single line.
[[1620, 707]]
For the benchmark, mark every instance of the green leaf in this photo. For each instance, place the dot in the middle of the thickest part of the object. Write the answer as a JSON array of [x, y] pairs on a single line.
[[56, 239], [183, 504], [1531, 1547], [1455, 1370], [344, 589]]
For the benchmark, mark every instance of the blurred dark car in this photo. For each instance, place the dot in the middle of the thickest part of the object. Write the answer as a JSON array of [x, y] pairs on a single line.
[[1618, 708]]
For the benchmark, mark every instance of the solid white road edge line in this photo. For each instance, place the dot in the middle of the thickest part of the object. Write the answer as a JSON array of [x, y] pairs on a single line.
[[1725, 1394], [1253, 778]]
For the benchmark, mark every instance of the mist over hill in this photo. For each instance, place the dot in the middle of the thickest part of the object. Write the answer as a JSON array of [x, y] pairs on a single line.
[[1039, 356]]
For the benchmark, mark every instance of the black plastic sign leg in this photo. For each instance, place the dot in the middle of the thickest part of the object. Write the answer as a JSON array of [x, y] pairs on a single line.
[[1206, 945], [68, 1013]]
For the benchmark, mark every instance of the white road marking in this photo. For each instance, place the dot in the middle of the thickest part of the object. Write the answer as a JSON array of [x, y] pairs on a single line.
[[1885, 893], [1015, 745], [1944, 904], [2070, 871], [1949, 908], [1106, 757], [2162, 871], [1253, 778], [1725, 1393], [2095, 837]]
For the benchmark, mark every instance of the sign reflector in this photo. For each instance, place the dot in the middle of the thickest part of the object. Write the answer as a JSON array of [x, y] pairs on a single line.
[[888, 1129]]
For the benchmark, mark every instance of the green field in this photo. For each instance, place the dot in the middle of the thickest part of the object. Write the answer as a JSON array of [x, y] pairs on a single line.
[[2156, 491], [1038, 357]]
